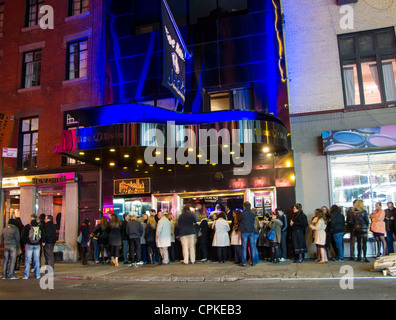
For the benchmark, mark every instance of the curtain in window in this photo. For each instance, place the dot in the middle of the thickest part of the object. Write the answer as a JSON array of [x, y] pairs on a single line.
[[241, 99], [389, 81], [349, 80]]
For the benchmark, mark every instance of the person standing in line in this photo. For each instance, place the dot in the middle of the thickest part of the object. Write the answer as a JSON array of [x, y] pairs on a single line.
[[320, 235], [276, 225], [236, 241], [163, 237], [390, 225], [149, 235], [360, 221], [248, 232], [49, 241], [283, 245], [125, 238], [378, 229], [101, 238], [32, 235], [10, 239], [171, 249], [338, 230], [221, 239], [351, 230], [85, 241], [134, 231], [115, 239], [203, 236], [143, 246], [298, 226], [187, 234]]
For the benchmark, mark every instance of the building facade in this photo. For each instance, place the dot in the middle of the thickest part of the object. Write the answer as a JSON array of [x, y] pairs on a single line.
[[341, 67], [234, 80], [50, 62]]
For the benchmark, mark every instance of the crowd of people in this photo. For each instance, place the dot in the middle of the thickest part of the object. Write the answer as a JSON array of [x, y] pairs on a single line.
[[157, 238], [240, 236], [28, 243]]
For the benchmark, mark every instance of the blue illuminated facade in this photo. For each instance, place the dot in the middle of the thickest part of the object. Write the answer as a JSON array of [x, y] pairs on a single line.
[[232, 47]]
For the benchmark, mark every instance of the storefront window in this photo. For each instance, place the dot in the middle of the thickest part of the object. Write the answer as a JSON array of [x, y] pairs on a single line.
[[369, 176]]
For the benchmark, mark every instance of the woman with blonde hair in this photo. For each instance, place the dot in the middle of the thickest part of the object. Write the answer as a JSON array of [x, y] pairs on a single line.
[[149, 235], [115, 238], [360, 221], [378, 228], [320, 235]]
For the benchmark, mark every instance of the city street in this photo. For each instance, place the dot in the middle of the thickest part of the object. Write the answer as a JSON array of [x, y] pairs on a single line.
[[320, 289]]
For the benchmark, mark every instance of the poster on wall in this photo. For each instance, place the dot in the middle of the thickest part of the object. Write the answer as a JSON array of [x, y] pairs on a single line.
[[131, 186], [357, 139]]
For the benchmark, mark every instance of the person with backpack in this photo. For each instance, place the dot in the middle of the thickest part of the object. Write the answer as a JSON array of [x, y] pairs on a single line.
[[32, 236]]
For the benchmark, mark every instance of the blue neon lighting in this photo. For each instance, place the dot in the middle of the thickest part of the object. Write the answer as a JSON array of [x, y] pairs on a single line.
[[139, 113]]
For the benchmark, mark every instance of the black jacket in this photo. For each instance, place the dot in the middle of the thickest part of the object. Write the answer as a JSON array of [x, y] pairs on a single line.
[[246, 222], [50, 233], [360, 220], [337, 222]]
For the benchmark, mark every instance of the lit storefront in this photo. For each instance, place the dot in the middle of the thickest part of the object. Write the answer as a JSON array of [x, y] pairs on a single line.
[[49, 194]]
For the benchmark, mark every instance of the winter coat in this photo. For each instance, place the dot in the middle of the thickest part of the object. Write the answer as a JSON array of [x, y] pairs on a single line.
[[276, 225], [50, 233], [337, 222], [360, 220], [10, 237], [377, 221], [186, 224], [320, 235], [164, 233], [221, 237], [247, 222], [134, 229]]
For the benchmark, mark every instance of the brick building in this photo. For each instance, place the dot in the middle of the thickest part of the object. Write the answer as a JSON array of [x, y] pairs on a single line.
[[45, 71]]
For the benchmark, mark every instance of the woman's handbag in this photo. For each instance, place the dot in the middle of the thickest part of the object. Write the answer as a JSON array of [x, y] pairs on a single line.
[[79, 238]]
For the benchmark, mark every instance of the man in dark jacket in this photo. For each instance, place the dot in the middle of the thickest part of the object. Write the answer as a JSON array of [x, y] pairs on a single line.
[[124, 237], [10, 238], [390, 225], [188, 235], [337, 229], [49, 241], [248, 232], [134, 230], [32, 236]]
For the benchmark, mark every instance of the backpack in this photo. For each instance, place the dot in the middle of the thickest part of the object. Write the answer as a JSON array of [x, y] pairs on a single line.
[[34, 234]]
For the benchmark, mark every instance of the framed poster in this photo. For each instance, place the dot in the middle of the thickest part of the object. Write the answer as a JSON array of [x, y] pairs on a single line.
[[131, 186], [258, 202]]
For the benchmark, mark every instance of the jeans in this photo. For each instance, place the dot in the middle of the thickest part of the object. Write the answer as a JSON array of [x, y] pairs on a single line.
[[252, 237], [125, 249], [96, 249], [10, 254], [389, 239], [49, 254], [32, 251], [338, 238]]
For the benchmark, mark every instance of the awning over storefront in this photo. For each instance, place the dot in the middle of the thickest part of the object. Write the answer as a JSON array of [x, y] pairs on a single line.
[[100, 131]]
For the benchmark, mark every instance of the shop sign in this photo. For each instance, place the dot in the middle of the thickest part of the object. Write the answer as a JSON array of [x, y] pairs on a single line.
[[9, 153], [131, 186], [358, 139]]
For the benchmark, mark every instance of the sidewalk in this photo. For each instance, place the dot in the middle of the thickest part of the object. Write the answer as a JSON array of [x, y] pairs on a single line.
[[218, 272]]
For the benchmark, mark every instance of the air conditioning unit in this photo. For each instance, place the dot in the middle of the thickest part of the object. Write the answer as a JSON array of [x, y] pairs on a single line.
[[342, 2]]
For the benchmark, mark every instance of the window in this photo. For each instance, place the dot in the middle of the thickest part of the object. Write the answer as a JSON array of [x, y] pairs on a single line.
[[234, 99], [33, 12], [77, 55], [368, 64], [31, 70], [1, 16], [213, 9], [368, 176], [28, 138], [78, 6]]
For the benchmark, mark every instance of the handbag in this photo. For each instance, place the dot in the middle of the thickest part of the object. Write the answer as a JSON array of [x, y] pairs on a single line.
[[271, 234], [79, 238]]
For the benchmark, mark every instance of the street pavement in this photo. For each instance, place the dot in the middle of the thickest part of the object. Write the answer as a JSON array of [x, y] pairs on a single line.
[[219, 272]]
